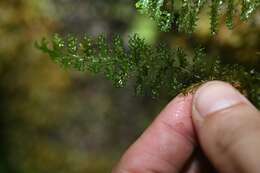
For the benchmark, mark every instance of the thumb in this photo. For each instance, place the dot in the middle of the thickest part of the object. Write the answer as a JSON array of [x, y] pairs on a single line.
[[228, 128]]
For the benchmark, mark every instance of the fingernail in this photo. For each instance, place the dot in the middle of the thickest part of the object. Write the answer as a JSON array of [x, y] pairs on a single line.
[[216, 96]]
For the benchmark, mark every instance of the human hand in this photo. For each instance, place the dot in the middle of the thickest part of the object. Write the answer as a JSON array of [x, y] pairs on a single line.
[[217, 119]]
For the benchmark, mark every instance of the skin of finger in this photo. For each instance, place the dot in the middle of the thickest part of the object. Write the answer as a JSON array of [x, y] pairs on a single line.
[[167, 143], [231, 138]]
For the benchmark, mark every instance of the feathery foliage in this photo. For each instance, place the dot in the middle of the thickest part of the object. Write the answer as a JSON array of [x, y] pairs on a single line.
[[154, 69], [185, 13]]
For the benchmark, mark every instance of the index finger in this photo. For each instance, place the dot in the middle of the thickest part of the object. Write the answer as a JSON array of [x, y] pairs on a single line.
[[166, 145]]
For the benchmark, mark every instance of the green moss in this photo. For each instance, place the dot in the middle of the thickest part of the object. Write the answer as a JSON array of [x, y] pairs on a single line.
[[154, 69], [185, 12], [159, 68]]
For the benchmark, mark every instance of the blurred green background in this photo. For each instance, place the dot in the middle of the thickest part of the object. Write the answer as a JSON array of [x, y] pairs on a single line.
[[53, 120]]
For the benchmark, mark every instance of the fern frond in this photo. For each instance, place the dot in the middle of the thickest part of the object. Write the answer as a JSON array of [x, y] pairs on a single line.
[[185, 12], [154, 69]]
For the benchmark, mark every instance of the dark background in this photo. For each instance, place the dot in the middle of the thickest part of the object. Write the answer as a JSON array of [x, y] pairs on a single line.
[[55, 120]]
